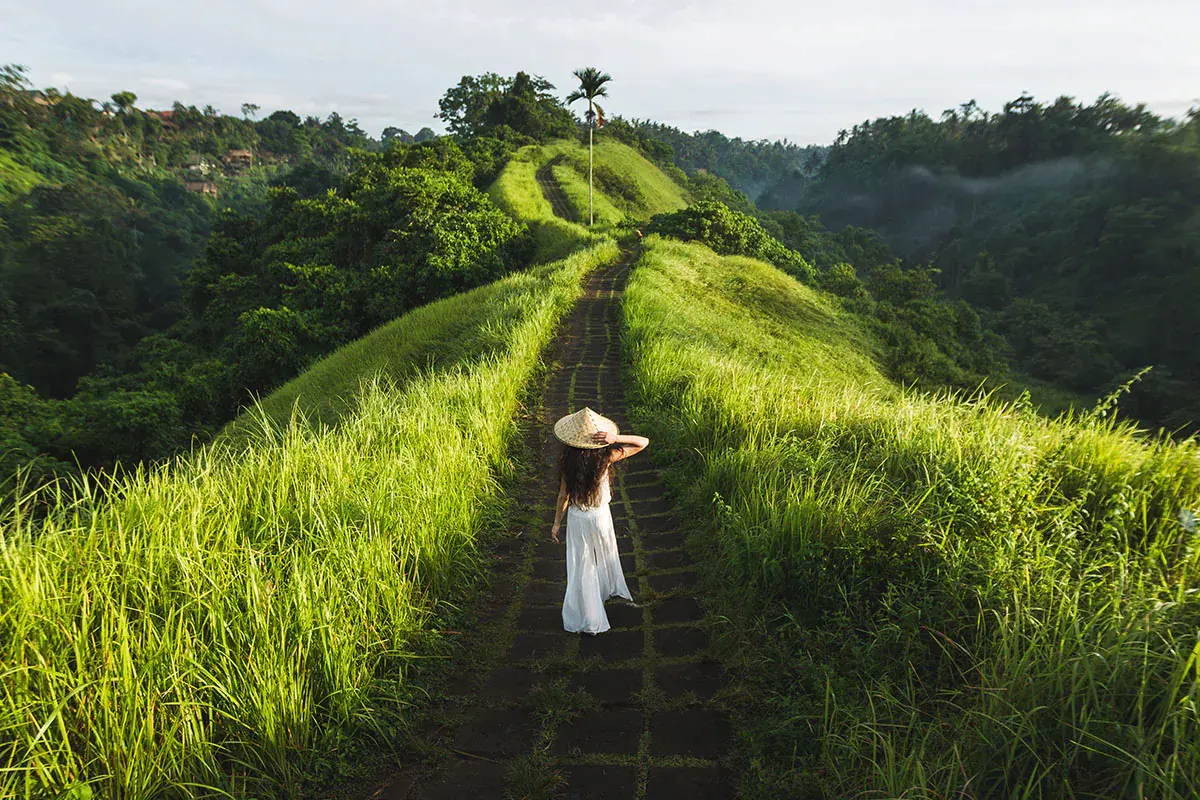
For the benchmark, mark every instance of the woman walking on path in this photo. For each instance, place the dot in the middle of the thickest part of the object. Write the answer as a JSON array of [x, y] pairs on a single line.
[[593, 444]]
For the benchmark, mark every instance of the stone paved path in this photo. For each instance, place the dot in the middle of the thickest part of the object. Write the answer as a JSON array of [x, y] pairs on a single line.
[[553, 192], [627, 714]]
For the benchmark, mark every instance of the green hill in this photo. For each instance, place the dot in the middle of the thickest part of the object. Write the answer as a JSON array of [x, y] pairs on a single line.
[[627, 187], [925, 596]]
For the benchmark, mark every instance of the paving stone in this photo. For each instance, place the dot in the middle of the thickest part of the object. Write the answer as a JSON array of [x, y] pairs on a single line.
[[548, 549], [502, 588], [641, 474], [670, 559], [610, 686], [694, 783], [677, 609], [546, 594], [541, 619], [528, 646], [623, 615], [664, 541], [503, 567], [614, 731], [491, 732], [600, 783], [509, 547], [660, 524], [673, 582], [703, 679], [613, 645], [510, 684], [462, 777], [694, 732], [648, 508], [550, 569], [646, 491], [679, 642], [628, 563]]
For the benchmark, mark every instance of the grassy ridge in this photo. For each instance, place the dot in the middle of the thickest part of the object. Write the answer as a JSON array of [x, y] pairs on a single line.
[[234, 622], [930, 597], [627, 187]]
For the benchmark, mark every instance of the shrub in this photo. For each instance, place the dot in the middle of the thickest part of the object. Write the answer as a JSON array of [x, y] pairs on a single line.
[[730, 233]]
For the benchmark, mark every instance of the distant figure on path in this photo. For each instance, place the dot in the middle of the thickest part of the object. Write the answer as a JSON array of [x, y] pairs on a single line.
[[593, 444]]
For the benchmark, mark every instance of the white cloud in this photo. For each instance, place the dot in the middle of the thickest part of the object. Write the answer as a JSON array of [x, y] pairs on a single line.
[[757, 68], [169, 84]]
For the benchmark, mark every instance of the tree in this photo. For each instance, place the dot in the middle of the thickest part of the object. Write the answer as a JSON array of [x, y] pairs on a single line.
[[425, 135], [124, 101], [591, 86], [393, 134], [464, 107], [13, 78], [250, 110]]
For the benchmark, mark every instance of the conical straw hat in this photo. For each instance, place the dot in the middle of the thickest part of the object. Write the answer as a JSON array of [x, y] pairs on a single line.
[[577, 429]]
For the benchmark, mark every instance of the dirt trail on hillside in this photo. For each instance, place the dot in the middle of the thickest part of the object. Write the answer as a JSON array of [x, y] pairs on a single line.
[[533, 711], [553, 192]]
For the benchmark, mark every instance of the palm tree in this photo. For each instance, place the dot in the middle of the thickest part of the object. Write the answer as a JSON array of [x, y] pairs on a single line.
[[591, 86]]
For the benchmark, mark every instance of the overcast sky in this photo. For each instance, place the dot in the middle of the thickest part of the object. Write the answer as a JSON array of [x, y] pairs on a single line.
[[751, 68]]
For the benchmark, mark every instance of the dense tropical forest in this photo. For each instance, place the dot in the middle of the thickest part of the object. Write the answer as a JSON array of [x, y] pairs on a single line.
[[1072, 229], [748, 166]]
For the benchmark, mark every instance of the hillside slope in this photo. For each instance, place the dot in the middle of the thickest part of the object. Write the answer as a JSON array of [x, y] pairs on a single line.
[[627, 188], [927, 596], [456, 332]]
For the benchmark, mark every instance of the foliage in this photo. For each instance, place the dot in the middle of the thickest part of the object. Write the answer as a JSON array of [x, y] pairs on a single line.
[[407, 227], [518, 109], [930, 339], [592, 84], [748, 166], [729, 233], [926, 596], [132, 344], [1072, 229]]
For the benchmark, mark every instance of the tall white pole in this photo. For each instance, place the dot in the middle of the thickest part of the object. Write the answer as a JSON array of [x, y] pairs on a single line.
[[590, 215]]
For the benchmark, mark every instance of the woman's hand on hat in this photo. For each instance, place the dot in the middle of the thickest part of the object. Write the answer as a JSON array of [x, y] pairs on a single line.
[[604, 437]]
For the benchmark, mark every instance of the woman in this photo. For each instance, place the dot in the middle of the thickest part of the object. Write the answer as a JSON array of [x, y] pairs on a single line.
[[593, 445]]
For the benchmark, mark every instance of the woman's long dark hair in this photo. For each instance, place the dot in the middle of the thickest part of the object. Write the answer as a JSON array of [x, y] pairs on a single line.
[[582, 470]]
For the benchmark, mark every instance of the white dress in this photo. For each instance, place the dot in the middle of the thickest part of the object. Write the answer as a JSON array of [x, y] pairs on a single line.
[[593, 566]]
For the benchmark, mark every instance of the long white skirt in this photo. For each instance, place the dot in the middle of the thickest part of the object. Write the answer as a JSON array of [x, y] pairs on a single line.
[[594, 571]]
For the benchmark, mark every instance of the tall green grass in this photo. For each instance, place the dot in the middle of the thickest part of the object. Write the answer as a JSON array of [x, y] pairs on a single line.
[[231, 624], [929, 597]]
